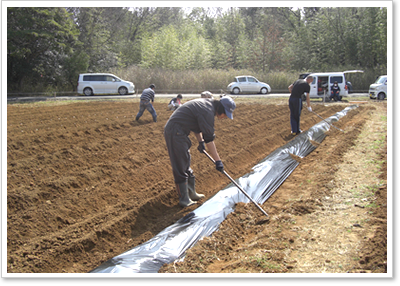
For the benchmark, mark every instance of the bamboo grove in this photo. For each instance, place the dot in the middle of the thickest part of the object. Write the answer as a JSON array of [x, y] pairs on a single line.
[[51, 46]]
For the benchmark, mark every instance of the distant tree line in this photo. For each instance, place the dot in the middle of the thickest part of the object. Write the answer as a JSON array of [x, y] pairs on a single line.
[[51, 46]]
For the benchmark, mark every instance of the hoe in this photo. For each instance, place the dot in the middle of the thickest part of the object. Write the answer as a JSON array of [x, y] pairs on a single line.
[[237, 185]]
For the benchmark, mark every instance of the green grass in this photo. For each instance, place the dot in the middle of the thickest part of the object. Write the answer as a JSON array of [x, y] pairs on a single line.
[[372, 205], [264, 262], [379, 143]]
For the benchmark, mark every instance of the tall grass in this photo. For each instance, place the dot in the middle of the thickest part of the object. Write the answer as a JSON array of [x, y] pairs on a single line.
[[216, 81], [197, 81]]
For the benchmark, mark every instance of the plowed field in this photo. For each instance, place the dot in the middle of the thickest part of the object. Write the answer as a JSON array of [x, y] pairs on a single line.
[[86, 182]]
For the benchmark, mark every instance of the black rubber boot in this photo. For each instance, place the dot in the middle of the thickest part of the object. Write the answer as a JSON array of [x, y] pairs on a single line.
[[184, 199], [192, 190]]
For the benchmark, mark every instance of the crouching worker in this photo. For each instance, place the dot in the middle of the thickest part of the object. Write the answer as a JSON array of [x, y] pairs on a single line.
[[206, 94], [198, 116], [175, 103], [335, 92]]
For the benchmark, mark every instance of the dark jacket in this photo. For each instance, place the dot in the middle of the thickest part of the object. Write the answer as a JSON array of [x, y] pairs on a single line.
[[196, 115], [335, 89], [300, 86]]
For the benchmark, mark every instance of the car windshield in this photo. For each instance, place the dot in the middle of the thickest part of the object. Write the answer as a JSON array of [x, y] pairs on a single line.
[[381, 79]]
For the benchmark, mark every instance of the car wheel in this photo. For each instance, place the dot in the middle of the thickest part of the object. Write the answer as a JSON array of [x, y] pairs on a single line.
[[88, 91], [264, 90], [236, 90], [381, 96], [122, 90]]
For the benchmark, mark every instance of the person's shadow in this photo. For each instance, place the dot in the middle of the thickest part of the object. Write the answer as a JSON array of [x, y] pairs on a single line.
[[289, 137]]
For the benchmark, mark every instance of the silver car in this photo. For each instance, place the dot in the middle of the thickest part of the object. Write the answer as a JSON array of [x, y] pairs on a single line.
[[379, 88], [248, 84], [103, 83]]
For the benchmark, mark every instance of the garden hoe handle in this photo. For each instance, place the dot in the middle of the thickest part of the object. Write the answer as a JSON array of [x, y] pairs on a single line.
[[327, 121], [237, 185]]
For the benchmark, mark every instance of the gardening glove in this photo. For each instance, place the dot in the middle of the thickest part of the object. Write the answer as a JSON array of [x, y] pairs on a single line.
[[219, 166], [201, 147], [309, 108]]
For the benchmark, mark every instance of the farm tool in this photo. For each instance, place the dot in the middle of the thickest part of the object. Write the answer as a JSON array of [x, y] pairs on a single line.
[[237, 185], [326, 121]]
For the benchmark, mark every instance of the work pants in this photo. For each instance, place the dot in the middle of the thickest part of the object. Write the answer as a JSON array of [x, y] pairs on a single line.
[[335, 96], [295, 106], [178, 145]]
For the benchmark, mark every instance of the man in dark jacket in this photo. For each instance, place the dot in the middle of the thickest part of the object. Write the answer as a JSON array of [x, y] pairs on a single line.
[[297, 89], [146, 100], [195, 116]]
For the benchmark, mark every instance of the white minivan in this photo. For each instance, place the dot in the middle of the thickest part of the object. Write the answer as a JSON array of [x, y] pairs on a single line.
[[379, 88], [103, 83], [322, 83]]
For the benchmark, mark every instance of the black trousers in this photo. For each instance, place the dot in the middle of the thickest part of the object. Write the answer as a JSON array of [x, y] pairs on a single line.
[[295, 106], [178, 145]]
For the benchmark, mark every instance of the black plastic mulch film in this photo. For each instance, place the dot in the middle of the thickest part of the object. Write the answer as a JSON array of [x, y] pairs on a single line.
[[266, 177]]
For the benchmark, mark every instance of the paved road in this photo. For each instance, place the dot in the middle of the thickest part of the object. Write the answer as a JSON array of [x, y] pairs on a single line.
[[11, 99]]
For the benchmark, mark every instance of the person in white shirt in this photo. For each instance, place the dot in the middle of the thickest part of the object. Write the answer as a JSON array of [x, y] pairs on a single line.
[[175, 103]]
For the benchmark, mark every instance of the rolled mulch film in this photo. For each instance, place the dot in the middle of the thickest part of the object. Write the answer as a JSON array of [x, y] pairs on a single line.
[[266, 177]]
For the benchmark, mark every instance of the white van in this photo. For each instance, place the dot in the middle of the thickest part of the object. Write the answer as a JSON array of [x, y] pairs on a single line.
[[103, 83], [322, 83], [379, 88]]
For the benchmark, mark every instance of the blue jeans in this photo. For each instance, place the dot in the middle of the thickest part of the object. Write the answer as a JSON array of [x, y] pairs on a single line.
[[335, 96], [146, 105]]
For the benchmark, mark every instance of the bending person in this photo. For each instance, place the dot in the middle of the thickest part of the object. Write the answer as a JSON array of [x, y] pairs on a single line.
[[195, 116], [146, 102], [297, 89]]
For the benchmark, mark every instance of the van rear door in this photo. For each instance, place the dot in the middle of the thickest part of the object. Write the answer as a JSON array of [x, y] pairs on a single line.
[[314, 87], [353, 71], [319, 85], [350, 71]]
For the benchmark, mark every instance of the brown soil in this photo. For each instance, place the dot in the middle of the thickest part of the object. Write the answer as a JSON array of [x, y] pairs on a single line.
[[85, 182]]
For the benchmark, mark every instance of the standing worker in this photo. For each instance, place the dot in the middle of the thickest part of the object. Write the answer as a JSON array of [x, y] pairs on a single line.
[[297, 89], [146, 100], [198, 116]]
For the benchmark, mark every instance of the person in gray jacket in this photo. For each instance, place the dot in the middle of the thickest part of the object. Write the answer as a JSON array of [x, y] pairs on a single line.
[[146, 100], [195, 116]]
